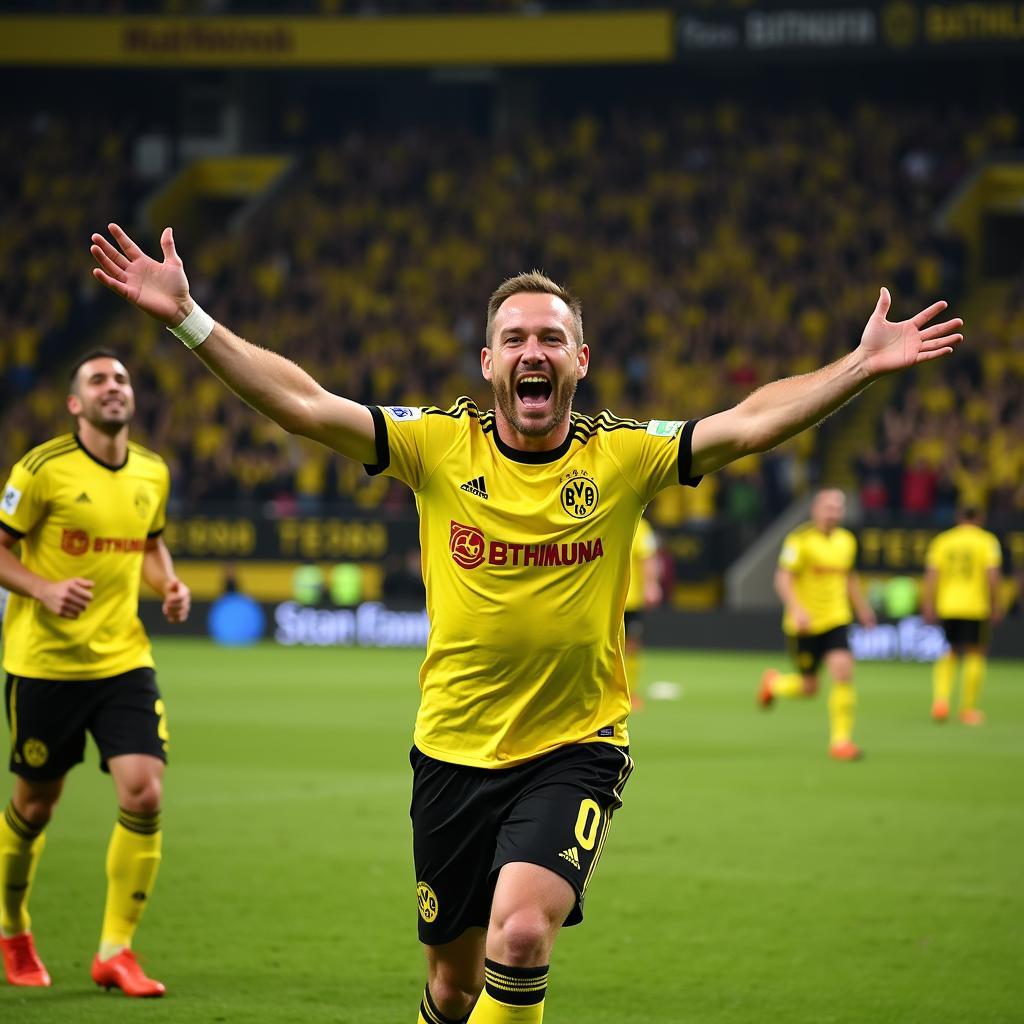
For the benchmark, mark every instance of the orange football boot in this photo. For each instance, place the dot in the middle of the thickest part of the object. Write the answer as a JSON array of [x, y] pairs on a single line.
[[22, 963], [765, 697], [972, 716], [940, 711], [123, 972], [845, 750]]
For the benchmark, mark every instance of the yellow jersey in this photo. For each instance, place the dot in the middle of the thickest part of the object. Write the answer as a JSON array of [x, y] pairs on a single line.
[[645, 545], [821, 565], [962, 558], [76, 516], [526, 566]]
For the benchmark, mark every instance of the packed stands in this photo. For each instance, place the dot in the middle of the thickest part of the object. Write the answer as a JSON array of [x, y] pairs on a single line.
[[716, 247]]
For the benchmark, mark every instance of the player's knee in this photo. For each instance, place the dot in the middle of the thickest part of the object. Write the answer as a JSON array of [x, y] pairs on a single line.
[[810, 686], [142, 795], [525, 938], [453, 994], [36, 808]]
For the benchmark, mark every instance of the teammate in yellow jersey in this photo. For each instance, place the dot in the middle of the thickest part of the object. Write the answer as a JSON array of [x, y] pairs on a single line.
[[644, 592], [87, 509], [961, 589], [527, 514], [820, 592]]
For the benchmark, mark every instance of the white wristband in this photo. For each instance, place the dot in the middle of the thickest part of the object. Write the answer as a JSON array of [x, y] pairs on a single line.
[[195, 328]]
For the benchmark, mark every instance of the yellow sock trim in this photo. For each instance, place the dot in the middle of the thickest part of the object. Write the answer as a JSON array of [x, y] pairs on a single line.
[[789, 685], [21, 846], [842, 705], [943, 673], [974, 676], [133, 859], [489, 1011]]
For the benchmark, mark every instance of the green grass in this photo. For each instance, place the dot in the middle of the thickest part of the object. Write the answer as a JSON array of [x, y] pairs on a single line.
[[748, 879]]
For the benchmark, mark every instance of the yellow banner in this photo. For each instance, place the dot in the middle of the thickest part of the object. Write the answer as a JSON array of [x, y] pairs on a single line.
[[620, 37]]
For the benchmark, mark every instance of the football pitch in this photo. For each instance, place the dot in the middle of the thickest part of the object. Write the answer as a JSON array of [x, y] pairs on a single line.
[[748, 879]]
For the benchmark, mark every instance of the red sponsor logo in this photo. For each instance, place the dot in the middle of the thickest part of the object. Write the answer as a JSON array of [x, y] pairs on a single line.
[[74, 542], [573, 553], [124, 545], [470, 549], [466, 545]]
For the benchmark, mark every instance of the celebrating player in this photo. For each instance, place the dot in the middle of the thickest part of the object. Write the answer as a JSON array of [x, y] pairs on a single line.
[[527, 513], [961, 588], [88, 509], [820, 592]]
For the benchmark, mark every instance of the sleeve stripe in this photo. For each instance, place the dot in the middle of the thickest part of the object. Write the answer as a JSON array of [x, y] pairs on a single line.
[[686, 455], [11, 530], [383, 450], [154, 533]]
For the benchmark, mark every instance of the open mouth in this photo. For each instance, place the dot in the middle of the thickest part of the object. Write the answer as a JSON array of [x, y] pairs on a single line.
[[533, 391]]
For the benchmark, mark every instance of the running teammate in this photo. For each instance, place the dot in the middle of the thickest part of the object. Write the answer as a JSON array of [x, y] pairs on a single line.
[[961, 589]]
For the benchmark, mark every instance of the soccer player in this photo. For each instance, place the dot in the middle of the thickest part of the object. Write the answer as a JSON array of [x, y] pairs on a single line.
[[88, 509], [820, 591], [644, 592], [961, 588], [527, 514]]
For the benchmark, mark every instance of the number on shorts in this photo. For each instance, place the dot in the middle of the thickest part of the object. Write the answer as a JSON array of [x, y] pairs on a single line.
[[587, 822], [161, 730]]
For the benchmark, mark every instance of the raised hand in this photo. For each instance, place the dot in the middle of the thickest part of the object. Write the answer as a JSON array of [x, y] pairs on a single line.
[[887, 346], [160, 289]]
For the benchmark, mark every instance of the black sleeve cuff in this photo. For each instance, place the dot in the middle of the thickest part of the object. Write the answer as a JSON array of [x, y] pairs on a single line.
[[380, 427], [686, 455], [11, 530], [155, 533]]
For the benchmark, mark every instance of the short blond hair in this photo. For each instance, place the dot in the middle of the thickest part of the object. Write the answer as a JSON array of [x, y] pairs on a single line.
[[537, 282]]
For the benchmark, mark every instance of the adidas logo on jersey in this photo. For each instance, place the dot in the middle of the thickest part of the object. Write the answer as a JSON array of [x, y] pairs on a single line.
[[477, 487], [83, 497], [572, 855]]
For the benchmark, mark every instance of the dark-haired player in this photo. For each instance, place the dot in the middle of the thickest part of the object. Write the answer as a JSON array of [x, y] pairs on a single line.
[[87, 509]]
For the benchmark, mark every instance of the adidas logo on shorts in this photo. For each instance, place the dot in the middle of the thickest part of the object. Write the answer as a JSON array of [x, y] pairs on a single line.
[[572, 855]]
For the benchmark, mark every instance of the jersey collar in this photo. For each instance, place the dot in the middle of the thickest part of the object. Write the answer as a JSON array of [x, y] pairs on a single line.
[[532, 458], [100, 462]]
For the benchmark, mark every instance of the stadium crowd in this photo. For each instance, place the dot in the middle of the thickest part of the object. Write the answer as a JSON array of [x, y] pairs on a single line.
[[716, 247], [955, 437]]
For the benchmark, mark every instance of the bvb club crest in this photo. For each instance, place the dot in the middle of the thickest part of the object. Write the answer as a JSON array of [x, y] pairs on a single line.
[[427, 901], [36, 753], [467, 545], [579, 496], [142, 502]]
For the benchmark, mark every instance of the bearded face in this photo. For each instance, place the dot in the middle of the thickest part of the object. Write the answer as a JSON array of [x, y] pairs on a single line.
[[534, 363], [103, 395]]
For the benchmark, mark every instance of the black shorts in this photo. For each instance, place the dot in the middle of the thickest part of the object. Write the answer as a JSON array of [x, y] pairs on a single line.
[[966, 632], [634, 622], [469, 822], [808, 652], [49, 718]]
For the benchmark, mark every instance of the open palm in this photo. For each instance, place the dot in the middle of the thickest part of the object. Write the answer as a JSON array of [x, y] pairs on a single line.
[[888, 347], [160, 289]]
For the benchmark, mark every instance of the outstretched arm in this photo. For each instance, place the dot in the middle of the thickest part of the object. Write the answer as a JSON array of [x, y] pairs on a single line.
[[271, 384], [779, 410]]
